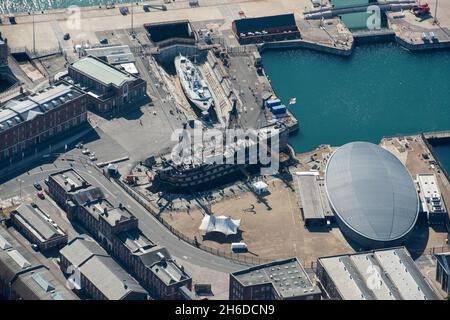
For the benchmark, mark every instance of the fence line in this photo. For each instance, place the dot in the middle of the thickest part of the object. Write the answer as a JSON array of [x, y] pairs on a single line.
[[142, 200]]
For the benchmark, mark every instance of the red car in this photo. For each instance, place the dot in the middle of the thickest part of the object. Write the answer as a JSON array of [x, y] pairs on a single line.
[[40, 195]]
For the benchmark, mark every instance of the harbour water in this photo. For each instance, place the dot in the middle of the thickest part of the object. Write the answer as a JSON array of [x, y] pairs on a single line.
[[380, 90], [443, 153]]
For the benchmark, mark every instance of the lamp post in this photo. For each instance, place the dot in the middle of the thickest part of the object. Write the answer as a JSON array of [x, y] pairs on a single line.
[[34, 37], [435, 12]]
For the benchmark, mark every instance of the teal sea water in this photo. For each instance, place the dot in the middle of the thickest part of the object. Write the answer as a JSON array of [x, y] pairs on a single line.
[[380, 90], [443, 153]]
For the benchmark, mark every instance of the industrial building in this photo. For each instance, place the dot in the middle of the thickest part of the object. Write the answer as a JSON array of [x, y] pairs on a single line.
[[386, 274], [431, 198], [266, 29], [119, 56], [372, 195], [100, 277], [38, 117], [276, 280], [107, 87], [443, 270], [37, 227], [62, 185], [23, 277], [314, 205]]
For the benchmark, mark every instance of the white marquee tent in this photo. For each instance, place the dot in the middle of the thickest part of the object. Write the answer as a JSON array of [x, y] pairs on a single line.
[[220, 224]]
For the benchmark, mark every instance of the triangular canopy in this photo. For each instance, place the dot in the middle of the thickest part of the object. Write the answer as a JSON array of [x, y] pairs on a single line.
[[220, 224]]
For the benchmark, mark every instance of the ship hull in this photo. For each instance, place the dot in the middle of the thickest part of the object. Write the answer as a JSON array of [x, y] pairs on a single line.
[[202, 105]]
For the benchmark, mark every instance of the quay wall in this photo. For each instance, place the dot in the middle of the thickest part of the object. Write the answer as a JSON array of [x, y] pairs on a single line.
[[423, 46], [382, 37], [167, 54], [306, 45]]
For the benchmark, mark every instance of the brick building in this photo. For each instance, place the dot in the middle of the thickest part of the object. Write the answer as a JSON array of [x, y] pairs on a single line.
[[23, 277], [62, 185], [116, 229], [152, 265], [98, 275], [40, 116], [99, 216], [35, 225], [107, 87]]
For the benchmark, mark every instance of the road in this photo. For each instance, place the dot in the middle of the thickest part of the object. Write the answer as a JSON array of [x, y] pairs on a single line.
[[150, 226]]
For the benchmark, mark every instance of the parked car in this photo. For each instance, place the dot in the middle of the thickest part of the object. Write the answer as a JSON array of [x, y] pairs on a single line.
[[86, 151], [37, 185], [104, 41], [79, 145], [40, 195], [66, 36]]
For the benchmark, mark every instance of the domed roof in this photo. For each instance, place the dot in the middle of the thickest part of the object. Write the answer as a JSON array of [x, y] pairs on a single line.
[[371, 191]]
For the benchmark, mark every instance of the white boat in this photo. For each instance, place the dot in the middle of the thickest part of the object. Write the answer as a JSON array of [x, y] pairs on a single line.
[[194, 85]]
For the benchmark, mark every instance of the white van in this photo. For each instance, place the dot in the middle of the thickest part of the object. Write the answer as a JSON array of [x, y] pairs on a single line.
[[238, 246]]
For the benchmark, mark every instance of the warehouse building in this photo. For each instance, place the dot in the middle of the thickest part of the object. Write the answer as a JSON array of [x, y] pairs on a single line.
[[38, 117], [35, 225], [100, 277], [431, 198], [277, 280], [386, 274], [107, 87], [266, 29], [22, 277], [314, 205], [372, 195], [443, 270]]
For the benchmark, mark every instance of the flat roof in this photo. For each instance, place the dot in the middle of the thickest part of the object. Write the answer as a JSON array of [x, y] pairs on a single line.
[[108, 50], [288, 278], [386, 274], [102, 208], [428, 185], [371, 192], [309, 196], [101, 71], [36, 223], [267, 22], [70, 180]]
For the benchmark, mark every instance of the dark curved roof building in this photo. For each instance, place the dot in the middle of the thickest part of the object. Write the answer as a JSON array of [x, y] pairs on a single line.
[[372, 194]]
